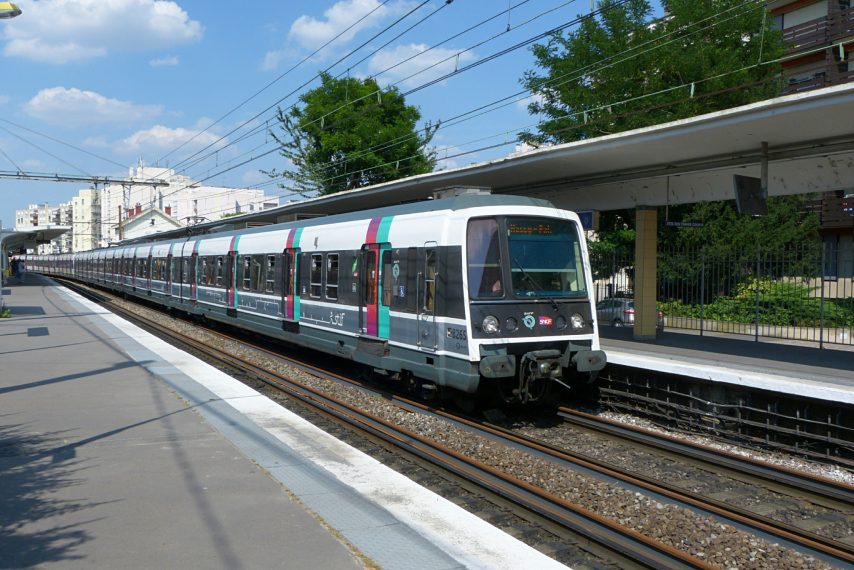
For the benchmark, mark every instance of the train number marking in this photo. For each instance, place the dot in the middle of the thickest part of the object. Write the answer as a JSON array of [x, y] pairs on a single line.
[[457, 334]]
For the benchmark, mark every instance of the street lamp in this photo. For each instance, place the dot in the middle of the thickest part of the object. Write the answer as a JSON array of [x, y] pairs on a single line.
[[9, 10]]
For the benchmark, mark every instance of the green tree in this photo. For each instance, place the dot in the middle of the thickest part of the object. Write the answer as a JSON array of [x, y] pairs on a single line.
[[622, 70], [619, 70], [349, 133]]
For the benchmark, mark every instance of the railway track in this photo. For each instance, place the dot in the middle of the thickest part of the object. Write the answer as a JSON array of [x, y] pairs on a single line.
[[625, 545]]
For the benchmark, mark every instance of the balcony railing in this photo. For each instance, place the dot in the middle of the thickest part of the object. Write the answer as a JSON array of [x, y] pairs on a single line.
[[818, 32]]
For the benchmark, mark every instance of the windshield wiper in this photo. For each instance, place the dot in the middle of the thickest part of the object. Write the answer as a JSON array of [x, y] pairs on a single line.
[[533, 283]]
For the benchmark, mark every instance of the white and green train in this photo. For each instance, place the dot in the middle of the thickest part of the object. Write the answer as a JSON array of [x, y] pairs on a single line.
[[454, 296]]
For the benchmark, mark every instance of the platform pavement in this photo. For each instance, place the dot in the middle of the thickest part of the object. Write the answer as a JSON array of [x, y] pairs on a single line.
[[120, 451], [789, 367]]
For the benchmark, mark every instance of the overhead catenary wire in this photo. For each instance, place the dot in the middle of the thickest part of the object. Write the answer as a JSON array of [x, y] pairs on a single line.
[[503, 133], [602, 64], [308, 82], [475, 26], [503, 52], [277, 79]]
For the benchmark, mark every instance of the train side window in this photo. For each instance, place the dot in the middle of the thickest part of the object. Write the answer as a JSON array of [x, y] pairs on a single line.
[[220, 270], [484, 259], [270, 274], [332, 276], [429, 280], [257, 269], [246, 279], [316, 275], [387, 276], [371, 276], [192, 269]]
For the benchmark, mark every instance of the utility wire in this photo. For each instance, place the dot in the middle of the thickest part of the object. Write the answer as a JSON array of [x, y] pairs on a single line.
[[542, 14], [515, 140], [277, 79], [306, 83]]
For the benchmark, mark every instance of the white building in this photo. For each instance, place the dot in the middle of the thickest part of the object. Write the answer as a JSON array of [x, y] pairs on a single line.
[[185, 200], [47, 216], [86, 225]]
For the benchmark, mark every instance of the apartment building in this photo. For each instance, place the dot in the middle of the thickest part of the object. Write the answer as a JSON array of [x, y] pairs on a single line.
[[819, 40], [86, 223]]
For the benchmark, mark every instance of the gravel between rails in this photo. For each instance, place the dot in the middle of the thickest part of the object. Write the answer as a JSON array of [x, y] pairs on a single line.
[[720, 544]]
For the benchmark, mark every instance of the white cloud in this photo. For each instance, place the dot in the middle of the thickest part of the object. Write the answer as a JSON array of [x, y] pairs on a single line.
[[159, 139], [423, 66], [58, 105], [164, 61], [312, 33], [62, 31], [4, 99], [309, 33]]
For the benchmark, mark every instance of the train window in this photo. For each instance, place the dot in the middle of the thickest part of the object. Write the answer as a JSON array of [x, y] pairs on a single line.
[[191, 267], [203, 273], [270, 274], [546, 257], [332, 276], [220, 271], [387, 276], [288, 273], [484, 259], [429, 280], [316, 275], [211, 270], [246, 264], [257, 268], [371, 277]]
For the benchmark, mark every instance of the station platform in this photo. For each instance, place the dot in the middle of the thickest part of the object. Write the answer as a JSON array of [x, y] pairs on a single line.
[[788, 367], [118, 450]]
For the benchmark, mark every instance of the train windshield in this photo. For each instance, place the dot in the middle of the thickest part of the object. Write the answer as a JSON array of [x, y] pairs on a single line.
[[541, 257], [544, 258]]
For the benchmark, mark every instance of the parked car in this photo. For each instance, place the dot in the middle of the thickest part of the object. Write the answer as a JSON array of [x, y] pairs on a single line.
[[620, 312]]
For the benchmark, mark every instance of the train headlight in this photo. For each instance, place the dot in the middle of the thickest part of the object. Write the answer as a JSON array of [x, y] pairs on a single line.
[[489, 325], [560, 322], [577, 321], [511, 324]]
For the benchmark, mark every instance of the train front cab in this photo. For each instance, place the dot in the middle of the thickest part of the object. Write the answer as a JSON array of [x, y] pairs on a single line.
[[531, 317]]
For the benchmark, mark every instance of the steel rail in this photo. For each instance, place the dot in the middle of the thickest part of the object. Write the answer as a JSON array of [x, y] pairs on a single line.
[[790, 478], [625, 541], [818, 544]]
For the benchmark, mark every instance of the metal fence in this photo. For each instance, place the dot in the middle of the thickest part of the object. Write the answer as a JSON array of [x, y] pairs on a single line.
[[805, 294]]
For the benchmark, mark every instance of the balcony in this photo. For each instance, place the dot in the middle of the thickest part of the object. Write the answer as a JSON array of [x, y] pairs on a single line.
[[837, 25]]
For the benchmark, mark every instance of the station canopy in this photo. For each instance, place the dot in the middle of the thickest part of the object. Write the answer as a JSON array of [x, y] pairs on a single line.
[[809, 147], [14, 242]]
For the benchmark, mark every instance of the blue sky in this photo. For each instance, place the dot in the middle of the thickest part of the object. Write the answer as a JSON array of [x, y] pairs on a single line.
[[132, 79]]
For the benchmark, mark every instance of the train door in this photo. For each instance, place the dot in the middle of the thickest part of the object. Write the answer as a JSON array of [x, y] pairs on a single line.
[[427, 292], [290, 289], [374, 298], [169, 261], [193, 275], [230, 281]]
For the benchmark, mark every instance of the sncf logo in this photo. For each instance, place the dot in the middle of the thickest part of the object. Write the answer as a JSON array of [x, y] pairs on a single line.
[[545, 321]]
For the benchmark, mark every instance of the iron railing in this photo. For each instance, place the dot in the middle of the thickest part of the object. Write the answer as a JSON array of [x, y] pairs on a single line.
[[805, 294]]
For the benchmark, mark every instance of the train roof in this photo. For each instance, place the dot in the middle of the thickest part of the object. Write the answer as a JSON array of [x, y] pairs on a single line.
[[461, 202]]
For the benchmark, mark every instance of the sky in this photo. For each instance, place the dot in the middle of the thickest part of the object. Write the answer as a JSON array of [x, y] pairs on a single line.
[[93, 87]]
